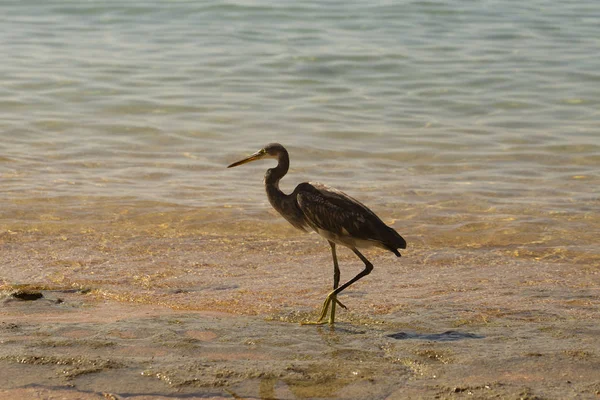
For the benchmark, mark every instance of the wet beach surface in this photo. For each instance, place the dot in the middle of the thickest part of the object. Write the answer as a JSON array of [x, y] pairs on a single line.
[[218, 316]]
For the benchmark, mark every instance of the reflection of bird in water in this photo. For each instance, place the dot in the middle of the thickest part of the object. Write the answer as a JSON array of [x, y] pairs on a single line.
[[332, 214]]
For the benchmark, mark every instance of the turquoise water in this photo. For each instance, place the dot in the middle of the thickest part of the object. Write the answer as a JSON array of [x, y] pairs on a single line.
[[473, 124]]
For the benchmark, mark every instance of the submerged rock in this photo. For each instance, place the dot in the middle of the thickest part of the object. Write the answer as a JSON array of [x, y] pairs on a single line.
[[24, 295]]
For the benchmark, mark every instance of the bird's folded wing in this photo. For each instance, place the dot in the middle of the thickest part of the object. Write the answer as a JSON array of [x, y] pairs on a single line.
[[334, 211]]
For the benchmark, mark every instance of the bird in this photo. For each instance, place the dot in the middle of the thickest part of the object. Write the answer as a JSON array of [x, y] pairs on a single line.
[[337, 217]]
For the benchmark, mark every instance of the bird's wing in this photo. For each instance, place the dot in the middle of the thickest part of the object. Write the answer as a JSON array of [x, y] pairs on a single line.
[[334, 211]]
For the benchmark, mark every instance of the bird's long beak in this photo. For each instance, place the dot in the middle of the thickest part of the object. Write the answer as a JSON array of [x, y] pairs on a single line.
[[256, 156]]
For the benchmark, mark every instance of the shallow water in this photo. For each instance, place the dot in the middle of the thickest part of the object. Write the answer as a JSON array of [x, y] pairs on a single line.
[[473, 130], [69, 344]]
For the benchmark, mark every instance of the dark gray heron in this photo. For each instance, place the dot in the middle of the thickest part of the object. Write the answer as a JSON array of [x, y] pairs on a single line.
[[332, 214]]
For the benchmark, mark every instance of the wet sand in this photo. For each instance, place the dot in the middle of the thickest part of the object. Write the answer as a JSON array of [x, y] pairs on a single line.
[[193, 317]]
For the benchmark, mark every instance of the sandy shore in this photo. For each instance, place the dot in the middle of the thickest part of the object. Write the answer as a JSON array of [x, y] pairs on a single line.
[[72, 345]]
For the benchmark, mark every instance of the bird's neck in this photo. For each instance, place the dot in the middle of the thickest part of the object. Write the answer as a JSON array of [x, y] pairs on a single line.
[[274, 175], [285, 204]]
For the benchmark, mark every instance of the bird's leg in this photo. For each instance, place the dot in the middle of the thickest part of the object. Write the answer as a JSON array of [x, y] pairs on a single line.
[[336, 282], [333, 295]]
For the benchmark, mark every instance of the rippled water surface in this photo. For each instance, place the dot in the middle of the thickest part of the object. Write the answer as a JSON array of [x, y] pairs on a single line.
[[436, 112], [473, 129]]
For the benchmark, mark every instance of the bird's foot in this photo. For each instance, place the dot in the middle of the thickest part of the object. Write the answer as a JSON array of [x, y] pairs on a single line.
[[313, 322], [328, 301]]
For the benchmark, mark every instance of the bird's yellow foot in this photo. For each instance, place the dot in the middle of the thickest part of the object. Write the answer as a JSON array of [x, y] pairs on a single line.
[[328, 300]]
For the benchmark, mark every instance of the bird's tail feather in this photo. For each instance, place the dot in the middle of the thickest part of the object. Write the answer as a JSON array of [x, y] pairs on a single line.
[[395, 251], [396, 242]]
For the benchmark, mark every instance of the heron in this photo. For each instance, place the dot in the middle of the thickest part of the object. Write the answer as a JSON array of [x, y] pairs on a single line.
[[334, 215]]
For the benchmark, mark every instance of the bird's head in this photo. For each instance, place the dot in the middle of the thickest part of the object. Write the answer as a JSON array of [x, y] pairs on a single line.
[[272, 150]]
